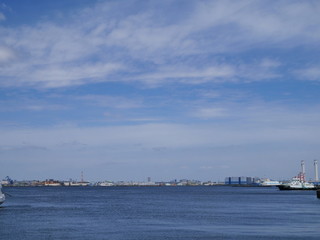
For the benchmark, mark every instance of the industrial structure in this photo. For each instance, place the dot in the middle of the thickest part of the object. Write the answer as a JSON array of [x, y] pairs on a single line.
[[302, 175], [240, 180], [316, 176]]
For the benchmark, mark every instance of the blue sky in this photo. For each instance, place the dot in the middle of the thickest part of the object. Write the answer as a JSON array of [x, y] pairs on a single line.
[[125, 90]]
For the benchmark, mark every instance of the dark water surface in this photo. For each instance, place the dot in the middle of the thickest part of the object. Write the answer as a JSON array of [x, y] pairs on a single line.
[[159, 213]]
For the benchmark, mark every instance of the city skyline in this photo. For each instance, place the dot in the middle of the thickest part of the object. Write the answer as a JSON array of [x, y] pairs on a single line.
[[125, 90]]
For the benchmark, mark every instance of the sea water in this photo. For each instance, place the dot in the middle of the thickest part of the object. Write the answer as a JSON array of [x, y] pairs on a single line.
[[212, 212]]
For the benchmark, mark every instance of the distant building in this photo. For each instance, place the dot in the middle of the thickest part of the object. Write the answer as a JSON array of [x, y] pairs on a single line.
[[240, 180]]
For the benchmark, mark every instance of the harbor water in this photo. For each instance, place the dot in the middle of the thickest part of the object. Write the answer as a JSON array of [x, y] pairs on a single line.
[[213, 212]]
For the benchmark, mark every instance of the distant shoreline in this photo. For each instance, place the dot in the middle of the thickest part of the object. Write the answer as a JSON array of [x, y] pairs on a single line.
[[96, 186]]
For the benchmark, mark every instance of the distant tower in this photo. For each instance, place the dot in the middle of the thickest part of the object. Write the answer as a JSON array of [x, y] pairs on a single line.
[[82, 180], [149, 179], [316, 177], [303, 171]]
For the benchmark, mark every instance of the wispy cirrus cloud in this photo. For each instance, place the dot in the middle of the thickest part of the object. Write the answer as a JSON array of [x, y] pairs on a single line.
[[103, 42], [241, 133], [112, 101], [22, 103], [219, 26], [6, 54], [2, 17], [210, 113], [266, 69], [311, 73]]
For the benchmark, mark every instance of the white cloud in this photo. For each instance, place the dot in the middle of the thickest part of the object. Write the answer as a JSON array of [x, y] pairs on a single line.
[[111, 37], [153, 46], [189, 75], [310, 73], [210, 94], [249, 126], [59, 76], [282, 21], [2, 17], [204, 43], [112, 101], [219, 26], [219, 73], [6, 54], [209, 113], [22, 102], [258, 136], [52, 76]]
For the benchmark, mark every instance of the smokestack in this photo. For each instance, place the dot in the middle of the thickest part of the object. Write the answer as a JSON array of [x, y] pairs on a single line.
[[316, 178], [303, 170]]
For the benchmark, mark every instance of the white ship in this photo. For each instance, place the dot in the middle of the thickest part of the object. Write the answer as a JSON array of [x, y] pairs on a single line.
[[2, 196], [80, 184], [105, 184], [297, 184], [72, 183], [76, 184], [269, 183]]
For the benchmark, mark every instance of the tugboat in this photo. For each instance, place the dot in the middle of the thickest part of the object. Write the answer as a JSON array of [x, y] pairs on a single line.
[[297, 184], [2, 196]]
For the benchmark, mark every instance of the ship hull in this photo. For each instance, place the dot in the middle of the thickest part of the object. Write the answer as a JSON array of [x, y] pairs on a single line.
[[284, 187], [2, 198]]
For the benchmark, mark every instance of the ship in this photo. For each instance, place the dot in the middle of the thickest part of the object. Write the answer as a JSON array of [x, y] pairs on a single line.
[[52, 183], [269, 183], [2, 196], [297, 184], [73, 183], [76, 184], [105, 184]]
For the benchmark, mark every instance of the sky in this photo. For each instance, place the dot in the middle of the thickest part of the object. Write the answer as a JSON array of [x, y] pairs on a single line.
[[125, 90]]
